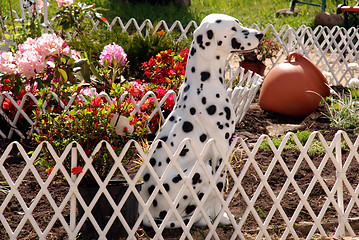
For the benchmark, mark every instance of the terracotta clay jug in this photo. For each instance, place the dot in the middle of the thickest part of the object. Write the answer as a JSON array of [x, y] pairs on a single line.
[[294, 87]]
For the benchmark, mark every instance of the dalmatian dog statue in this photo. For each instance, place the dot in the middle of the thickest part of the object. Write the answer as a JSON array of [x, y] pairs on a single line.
[[203, 111]]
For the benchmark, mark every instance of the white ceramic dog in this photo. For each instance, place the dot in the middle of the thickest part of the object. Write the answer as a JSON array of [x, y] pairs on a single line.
[[203, 111]]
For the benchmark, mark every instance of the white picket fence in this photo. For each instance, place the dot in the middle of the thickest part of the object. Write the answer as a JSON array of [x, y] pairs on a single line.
[[248, 183]]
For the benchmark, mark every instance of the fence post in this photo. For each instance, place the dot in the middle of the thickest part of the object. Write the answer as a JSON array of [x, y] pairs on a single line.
[[73, 197], [340, 191]]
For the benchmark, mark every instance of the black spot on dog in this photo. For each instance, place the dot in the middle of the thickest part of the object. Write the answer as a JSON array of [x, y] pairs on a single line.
[[203, 137], [205, 76], [163, 214], [155, 203], [228, 113], [195, 179], [185, 197], [177, 178], [235, 43], [200, 196], [208, 44], [153, 162], [204, 100], [220, 186], [186, 221], [190, 208], [219, 43], [211, 109], [218, 96], [187, 127], [210, 34], [186, 88], [166, 186], [193, 51], [192, 111], [218, 21], [172, 225], [150, 189], [234, 29], [184, 152], [172, 118], [193, 69], [221, 80], [146, 177], [168, 160], [218, 57], [199, 39]]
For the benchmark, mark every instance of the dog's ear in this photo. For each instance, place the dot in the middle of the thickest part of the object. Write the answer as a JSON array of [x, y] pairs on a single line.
[[205, 40]]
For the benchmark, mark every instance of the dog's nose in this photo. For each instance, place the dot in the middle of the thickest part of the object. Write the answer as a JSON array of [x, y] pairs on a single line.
[[259, 36]]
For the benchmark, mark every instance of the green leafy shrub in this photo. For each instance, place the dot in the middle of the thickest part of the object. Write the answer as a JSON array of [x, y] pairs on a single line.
[[343, 110], [138, 48]]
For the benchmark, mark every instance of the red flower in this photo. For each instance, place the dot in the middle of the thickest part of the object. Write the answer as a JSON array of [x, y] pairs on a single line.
[[6, 104], [49, 171], [96, 102], [77, 170]]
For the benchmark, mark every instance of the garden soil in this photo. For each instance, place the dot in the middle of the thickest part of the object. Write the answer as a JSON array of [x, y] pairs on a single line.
[[255, 123]]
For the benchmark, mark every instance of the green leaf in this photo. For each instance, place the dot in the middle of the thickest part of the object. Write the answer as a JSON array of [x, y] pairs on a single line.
[[63, 74], [85, 71]]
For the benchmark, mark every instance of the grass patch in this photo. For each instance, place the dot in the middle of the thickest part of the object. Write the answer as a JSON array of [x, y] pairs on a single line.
[[316, 147], [260, 12]]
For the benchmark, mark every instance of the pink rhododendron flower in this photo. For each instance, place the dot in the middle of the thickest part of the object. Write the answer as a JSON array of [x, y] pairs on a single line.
[[64, 3], [30, 63], [111, 52], [41, 6], [49, 45], [33, 88], [28, 45], [72, 53], [7, 63]]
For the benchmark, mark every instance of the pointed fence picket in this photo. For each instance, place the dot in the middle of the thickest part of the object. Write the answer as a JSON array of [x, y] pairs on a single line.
[[339, 201]]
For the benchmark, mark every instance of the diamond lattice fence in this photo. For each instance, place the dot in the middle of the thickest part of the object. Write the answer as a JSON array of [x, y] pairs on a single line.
[[267, 194]]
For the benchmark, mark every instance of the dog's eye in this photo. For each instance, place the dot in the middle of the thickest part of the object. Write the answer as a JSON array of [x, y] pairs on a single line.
[[245, 32]]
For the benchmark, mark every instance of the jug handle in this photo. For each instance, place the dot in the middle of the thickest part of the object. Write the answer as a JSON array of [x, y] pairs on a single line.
[[294, 55]]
